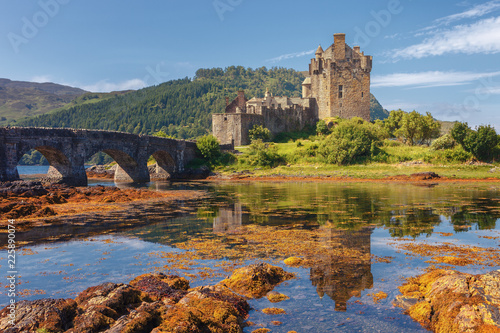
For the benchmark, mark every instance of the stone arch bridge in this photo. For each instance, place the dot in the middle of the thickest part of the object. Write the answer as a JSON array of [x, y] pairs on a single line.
[[68, 149]]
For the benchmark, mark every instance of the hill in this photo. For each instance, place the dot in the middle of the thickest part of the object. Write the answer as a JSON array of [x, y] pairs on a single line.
[[19, 99], [180, 108]]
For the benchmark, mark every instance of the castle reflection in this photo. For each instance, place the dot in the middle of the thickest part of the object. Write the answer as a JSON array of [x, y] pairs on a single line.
[[342, 274], [345, 276]]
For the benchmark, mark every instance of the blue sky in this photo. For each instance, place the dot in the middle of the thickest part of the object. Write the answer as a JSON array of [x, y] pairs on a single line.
[[437, 56]]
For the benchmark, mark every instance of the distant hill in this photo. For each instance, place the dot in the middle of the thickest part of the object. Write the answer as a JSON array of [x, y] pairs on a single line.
[[180, 108], [19, 99], [376, 110]]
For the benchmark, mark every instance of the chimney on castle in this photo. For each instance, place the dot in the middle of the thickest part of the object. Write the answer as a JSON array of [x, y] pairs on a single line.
[[339, 46], [241, 99], [357, 49]]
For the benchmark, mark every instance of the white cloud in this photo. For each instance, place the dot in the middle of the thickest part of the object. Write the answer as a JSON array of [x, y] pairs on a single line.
[[291, 55], [106, 86], [41, 79], [480, 37], [474, 12], [428, 79]]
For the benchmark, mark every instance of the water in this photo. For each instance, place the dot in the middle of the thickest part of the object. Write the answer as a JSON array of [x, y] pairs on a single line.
[[245, 223]]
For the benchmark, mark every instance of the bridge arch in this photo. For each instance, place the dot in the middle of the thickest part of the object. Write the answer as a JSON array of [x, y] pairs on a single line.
[[165, 165], [61, 168]]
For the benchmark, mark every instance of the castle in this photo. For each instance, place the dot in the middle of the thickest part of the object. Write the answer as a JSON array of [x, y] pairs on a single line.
[[338, 84]]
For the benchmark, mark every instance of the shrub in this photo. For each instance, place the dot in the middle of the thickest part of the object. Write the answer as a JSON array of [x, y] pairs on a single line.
[[264, 154], [258, 132], [444, 142], [349, 141], [209, 148], [322, 128]]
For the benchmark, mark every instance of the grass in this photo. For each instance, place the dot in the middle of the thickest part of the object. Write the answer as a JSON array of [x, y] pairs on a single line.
[[400, 160]]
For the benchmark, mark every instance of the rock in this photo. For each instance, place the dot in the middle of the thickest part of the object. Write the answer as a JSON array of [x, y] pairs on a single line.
[[425, 175], [143, 319], [55, 315], [451, 301], [275, 297], [257, 280], [100, 306], [121, 308], [206, 309], [293, 261], [160, 286]]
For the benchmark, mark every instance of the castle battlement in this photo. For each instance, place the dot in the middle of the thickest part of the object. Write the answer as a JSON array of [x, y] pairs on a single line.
[[338, 85]]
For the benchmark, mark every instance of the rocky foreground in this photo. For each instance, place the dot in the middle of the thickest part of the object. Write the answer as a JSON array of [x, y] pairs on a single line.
[[451, 301], [149, 303]]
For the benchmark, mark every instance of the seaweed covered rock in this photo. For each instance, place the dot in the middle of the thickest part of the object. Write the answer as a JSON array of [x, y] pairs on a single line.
[[255, 281], [54, 315], [151, 303], [451, 301], [206, 309], [160, 286]]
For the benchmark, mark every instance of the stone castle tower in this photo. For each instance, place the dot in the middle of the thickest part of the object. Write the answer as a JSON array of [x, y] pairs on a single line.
[[338, 85], [339, 80]]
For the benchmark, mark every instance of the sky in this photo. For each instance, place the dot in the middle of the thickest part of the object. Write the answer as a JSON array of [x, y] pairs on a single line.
[[433, 56]]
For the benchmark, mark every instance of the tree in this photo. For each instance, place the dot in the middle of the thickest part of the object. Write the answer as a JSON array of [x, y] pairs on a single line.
[[415, 128], [481, 142], [259, 132], [209, 148]]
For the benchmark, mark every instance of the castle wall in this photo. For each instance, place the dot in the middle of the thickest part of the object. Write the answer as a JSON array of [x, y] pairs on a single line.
[[232, 128]]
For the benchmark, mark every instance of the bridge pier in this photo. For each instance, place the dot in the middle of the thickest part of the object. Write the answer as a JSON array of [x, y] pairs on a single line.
[[8, 159], [128, 174]]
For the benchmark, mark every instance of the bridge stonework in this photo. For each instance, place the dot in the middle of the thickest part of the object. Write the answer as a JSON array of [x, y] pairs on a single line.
[[68, 149]]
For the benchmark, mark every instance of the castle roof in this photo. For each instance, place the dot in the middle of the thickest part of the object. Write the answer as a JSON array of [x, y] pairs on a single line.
[[319, 50], [307, 80]]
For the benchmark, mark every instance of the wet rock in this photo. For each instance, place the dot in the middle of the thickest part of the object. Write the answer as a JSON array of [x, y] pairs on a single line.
[[112, 295], [143, 319], [257, 280], [55, 315], [21, 187], [114, 308], [447, 300], [206, 309], [275, 297], [293, 261], [160, 286]]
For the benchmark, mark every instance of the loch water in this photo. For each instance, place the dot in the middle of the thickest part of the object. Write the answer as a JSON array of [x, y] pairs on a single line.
[[363, 221]]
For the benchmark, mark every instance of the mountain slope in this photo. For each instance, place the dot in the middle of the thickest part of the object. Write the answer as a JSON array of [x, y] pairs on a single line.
[[19, 99], [180, 108]]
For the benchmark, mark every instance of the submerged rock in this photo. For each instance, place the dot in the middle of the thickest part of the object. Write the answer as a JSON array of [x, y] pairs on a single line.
[[451, 301], [255, 281]]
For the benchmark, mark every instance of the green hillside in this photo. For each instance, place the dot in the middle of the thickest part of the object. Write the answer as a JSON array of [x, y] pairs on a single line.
[[19, 99], [180, 108]]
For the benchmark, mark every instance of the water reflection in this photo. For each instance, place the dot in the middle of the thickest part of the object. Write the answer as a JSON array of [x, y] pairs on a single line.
[[346, 276]]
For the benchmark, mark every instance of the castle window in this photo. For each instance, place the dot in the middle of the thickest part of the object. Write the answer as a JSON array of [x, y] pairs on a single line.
[[341, 91], [279, 106], [362, 94]]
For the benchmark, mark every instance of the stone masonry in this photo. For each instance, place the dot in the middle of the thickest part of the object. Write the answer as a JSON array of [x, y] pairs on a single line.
[[338, 85], [68, 149]]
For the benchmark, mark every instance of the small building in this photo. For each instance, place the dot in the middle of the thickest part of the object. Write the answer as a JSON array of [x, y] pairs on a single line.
[[338, 85]]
